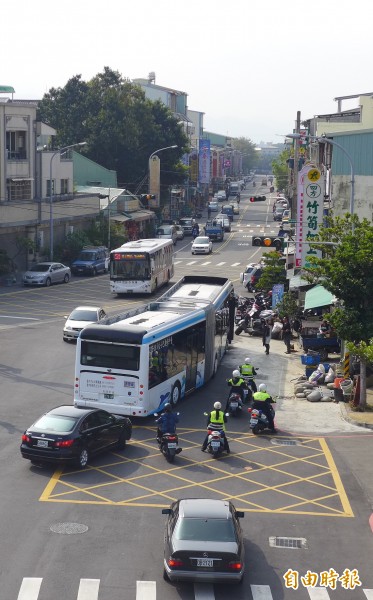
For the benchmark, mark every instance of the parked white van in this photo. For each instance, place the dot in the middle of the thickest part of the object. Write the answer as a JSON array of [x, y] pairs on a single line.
[[167, 232]]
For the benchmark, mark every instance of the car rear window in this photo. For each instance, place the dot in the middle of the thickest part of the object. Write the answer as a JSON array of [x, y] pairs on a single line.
[[209, 530], [83, 315], [58, 423]]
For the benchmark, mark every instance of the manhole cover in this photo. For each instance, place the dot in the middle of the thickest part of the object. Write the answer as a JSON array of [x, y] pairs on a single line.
[[278, 442], [288, 542], [68, 528]]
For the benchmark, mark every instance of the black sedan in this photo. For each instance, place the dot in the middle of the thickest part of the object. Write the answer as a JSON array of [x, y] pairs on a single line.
[[71, 434], [203, 542]]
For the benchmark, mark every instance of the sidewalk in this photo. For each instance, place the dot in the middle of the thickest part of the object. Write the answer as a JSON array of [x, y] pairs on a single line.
[[295, 415]]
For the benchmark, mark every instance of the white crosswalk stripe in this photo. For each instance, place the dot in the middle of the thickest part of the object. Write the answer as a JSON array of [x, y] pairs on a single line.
[[235, 264], [30, 588], [261, 592], [368, 594], [146, 590], [177, 262], [193, 262], [220, 264], [88, 589], [206, 263], [318, 593]]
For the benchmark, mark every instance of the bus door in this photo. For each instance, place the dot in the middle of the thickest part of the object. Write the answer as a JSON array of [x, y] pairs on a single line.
[[191, 360]]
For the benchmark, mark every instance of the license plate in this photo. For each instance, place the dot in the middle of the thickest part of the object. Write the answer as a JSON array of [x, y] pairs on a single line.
[[171, 445], [253, 421], [205, 562], [42, 444], [215, 444], [234, 404], [109, 396]]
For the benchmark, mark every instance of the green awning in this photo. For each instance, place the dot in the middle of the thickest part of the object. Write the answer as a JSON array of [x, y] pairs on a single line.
[[317, 297]]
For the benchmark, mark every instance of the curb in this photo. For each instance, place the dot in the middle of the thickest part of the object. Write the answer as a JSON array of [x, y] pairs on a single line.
[[347, 418]]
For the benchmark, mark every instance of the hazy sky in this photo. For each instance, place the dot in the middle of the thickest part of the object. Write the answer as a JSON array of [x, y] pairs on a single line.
[[248, 65]]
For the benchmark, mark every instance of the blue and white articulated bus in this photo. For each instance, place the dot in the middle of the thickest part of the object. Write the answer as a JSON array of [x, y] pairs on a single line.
[[134, 363]]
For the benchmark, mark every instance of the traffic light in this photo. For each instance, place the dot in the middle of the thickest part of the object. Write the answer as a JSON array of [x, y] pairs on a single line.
[[258, 198], [269, 241]]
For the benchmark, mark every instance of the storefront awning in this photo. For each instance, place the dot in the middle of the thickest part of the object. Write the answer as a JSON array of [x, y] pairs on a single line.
[[297, 282], [318, 296]]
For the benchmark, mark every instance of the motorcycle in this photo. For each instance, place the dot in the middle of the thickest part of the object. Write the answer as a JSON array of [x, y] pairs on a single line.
[[234, 404], [168, 445], [258, 420], [215, 441]]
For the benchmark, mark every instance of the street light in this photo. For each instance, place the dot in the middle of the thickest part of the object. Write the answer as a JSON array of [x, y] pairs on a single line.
[[61, 151], [157, 182], [325, 140]]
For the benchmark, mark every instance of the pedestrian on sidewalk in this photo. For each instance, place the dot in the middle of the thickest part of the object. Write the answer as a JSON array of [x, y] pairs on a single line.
[[286, 334], [267, 333]]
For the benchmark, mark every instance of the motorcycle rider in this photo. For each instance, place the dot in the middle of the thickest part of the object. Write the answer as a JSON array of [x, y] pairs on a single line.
[[248, 370], [263, 401], [217, 417], [167, 423], [237, 385]]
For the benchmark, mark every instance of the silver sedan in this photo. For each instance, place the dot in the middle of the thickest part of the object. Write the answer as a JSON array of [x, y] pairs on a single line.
[[46, 273]]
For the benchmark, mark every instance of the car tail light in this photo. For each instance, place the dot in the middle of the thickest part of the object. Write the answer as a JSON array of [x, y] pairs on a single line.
[[252, 279], [26, 438], [249, 409], [64, 444], [235, 566], [175, 563], [172, 437]]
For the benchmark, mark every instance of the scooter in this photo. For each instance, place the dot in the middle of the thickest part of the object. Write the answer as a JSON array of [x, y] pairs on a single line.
[[168, 445], [215, 441], [258, 420], [234, 405]]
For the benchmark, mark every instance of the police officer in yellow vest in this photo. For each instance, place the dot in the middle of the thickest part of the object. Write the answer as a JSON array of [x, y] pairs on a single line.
[[263, 401], [248, 370], [217, 417], [237, 385]]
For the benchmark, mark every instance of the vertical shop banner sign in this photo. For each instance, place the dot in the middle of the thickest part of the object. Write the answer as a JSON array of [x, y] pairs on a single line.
[[277, 294], [204, 161], [310, 206]]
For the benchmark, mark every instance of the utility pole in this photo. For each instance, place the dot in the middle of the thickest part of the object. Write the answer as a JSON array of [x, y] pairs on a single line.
[[296, 170]]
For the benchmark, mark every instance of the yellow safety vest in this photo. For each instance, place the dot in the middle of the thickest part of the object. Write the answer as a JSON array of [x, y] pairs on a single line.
[[238, 384], [247, 370], [217, 416], [261, 396]]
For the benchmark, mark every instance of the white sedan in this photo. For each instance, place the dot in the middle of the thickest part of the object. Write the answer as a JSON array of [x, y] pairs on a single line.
[[80, 318], [202, 245]]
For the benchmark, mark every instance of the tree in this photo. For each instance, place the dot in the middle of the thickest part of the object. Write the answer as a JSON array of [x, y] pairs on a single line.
[[346, 269], [249, 153], [280, 169], [288, 306], [121, 127], [273, 271]]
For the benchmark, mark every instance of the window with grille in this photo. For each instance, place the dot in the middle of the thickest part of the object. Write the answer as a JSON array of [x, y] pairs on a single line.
[[19, 189], [64, 186], [16, 145]]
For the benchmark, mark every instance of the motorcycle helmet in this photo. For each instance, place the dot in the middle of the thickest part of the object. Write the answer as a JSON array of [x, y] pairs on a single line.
[[247, 361], [217, 405], [262, 387], [168, 407], [235, 373]]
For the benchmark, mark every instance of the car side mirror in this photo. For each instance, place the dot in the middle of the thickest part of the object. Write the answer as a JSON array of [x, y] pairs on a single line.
[[240, 514], [167, 511]]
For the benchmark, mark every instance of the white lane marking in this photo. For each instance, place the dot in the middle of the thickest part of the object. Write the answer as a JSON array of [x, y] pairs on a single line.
[[24, 318], [30, 588], [88, 589], [235, 264], [261, 592], [368, 594], [206, 263], [146, 590], [220, 264], [177, 262], [204, 591], [318, 593], [191, 263]]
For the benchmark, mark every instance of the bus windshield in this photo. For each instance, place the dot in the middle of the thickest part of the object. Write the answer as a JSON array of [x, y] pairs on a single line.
[[129, 267]]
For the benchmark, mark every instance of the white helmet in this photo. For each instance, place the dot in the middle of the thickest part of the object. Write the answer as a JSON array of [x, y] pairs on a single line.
[[262, 387], [247, 361], [236, 373], [217, 406]]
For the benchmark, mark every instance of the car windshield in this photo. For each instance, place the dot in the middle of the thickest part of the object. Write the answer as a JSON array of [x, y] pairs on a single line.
[[83, 315], [186, 221], [205, 529], [58, 423], [164, 230], [202, 240], [41, 268]]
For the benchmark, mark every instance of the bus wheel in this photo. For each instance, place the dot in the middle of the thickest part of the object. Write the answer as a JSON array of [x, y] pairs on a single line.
[[175, 393]]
